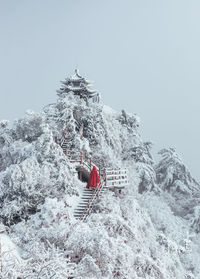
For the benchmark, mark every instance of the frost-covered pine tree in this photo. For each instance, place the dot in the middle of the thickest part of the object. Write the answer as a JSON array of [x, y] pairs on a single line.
[[196, 219], [172, 175], [141, 154], [32, 168]]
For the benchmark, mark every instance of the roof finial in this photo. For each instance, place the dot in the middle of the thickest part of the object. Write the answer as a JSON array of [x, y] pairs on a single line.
[[77, 72]]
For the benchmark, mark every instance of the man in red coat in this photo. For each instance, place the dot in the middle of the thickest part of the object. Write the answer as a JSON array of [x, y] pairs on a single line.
[[93, 179]]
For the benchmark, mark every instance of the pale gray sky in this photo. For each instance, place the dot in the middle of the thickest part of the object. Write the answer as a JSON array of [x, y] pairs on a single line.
[[143, 56]]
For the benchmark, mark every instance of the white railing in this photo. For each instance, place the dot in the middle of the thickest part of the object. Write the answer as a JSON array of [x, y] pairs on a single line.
[[116, 178]]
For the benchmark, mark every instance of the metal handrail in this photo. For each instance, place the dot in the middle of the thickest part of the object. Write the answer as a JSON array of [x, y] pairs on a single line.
[[90, 203], [78, 156]]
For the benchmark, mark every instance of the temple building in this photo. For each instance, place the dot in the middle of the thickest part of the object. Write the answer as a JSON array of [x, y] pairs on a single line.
[[79, 86]]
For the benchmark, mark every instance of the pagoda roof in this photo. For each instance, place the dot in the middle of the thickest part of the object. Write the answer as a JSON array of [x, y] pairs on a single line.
[[80, 88], [76, 76], [74, 88], [77, 84]]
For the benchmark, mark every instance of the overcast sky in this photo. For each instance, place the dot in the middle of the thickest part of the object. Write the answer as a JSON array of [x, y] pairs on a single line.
[[143, 56]]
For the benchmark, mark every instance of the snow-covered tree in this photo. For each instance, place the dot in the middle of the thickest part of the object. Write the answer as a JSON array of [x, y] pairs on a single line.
[[142, 157], [173, 175], [196, 219], [33, 167], [127, 235]]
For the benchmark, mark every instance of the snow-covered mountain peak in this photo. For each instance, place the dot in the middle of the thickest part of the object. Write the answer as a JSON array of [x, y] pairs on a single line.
[[150, 229]]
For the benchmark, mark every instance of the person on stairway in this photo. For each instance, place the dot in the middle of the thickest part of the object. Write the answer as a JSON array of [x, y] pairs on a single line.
[[93, 179]]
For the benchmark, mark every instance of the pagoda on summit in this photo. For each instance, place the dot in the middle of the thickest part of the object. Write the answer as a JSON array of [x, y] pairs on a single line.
[[79, 86]]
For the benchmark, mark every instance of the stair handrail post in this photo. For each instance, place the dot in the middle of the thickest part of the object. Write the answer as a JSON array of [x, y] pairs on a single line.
[[90, 164], [81, 157], [99, 187], [65, 134], [105, 175], [62, 141], [67, 153]]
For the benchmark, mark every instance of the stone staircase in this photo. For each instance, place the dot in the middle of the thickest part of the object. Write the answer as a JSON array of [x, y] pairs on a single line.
[[88, 200], [110, 178], [83, 204]]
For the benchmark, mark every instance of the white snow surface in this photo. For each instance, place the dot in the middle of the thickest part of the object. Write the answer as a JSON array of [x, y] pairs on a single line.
[[150, 230], [8, 248]]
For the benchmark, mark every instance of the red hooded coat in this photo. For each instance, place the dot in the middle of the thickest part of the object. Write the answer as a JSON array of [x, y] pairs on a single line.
[[93, 179]]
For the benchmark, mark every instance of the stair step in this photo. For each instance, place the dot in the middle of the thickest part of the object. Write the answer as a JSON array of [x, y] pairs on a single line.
[[88, 193], [83, 202], [86, 198], [86, 202]]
